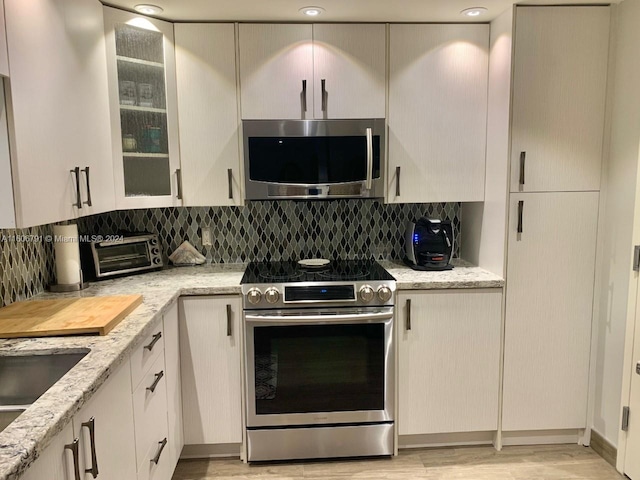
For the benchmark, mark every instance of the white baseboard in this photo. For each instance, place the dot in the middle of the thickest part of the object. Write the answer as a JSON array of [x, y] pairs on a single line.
[[211, 451], [445, 439], [542, 437]]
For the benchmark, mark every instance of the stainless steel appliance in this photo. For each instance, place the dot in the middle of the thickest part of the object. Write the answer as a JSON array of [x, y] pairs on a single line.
[[319, 356], [314, 159], [114, 255]]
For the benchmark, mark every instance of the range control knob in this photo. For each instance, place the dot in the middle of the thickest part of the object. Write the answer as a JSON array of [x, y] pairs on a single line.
[[384, 293], [254, 295], [272, 295], [366, 293]]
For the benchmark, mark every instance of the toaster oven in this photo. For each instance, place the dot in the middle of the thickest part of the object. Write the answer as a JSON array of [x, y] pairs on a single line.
[[121, 256]]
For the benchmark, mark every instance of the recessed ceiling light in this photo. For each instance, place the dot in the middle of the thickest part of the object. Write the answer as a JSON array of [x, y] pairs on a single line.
[[148, 9], [311, 11], [473, 12]]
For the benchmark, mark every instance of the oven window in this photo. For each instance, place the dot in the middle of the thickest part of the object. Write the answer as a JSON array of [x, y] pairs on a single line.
[[311, 160], [319, 368], [123, 257]]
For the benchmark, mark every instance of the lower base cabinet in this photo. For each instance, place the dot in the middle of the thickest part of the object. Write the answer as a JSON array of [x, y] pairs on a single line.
[[174, 384], [449, 360], [210, 351], [103, 433]]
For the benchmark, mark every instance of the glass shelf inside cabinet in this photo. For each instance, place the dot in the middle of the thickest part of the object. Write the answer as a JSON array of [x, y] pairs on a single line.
[[143, 114]]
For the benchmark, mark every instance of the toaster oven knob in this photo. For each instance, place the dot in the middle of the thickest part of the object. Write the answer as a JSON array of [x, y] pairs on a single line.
[[272, 295], [155, 251], [156, 261], [153, 241], [366, 293], [254, 295], [384, 293]]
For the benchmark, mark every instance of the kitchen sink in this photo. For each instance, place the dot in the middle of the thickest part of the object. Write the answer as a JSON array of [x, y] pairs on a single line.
[[8, 415], [24, 378]]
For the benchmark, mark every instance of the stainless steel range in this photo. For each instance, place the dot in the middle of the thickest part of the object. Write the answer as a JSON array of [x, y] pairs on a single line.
[[319, 355]]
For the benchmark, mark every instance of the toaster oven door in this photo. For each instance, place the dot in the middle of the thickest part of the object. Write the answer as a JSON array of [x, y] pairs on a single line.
[[121, 258]]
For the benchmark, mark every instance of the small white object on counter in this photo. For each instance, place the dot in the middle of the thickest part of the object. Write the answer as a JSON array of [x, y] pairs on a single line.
[[186, 255], [67, 253]]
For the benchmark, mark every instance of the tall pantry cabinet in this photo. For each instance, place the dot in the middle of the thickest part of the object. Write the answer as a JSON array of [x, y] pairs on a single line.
[[558, 111]]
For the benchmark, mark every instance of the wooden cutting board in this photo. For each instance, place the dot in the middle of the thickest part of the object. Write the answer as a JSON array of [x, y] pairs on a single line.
[[68, 316]]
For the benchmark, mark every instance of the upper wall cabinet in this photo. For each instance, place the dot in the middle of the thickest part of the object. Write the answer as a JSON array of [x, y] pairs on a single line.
[[144, 119], [307, 71], [208, 114], [58, 110], [437, 112], [559, 89]]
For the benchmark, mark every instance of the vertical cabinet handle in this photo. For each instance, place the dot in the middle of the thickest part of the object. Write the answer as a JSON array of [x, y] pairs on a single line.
[[230, 180], [369, 158], [86, 172], [155, 383], [76, 463], [520, 209], [523, 156], [91, 425], [324, 95], [162, 444], [229, 322], [397, 181], [76, 172], [408, 317], [179, 180], [304, 95]]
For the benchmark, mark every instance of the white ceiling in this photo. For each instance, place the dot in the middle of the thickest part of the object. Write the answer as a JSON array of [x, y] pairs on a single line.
[[335, 10]]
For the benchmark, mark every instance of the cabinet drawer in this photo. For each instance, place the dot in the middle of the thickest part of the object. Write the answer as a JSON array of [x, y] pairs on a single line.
[[163, 469], [150, 412], [146, 354]]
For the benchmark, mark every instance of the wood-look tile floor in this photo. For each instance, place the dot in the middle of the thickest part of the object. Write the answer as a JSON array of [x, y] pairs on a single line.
[[553, 462]]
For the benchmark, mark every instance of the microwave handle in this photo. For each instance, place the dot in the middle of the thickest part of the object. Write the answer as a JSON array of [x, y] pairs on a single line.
[[369, 158]]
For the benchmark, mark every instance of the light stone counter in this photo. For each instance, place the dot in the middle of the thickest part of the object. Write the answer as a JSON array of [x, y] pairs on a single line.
[[23, 441]]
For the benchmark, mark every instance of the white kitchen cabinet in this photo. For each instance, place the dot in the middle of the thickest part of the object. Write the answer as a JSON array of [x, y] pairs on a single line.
[[549, 296], [449, 360], [110, 414], [210, 349], [437, 112], [56, 462], [559, 89], [143, 104], [351, 60], [58, 121], [208, 114], [4, 56], [174, 385], [282, 67], [7, 209]]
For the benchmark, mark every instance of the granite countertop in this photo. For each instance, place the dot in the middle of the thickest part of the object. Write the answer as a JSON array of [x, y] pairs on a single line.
[[23, 441]]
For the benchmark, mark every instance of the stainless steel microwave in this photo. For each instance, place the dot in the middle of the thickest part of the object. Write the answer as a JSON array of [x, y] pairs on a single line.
[[314, 159]]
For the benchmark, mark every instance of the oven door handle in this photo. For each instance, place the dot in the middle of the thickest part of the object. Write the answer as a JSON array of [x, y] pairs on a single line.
[[331, 318]]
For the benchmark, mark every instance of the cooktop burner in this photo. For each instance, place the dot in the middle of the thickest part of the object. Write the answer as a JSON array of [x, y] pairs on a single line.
[[336, 271]]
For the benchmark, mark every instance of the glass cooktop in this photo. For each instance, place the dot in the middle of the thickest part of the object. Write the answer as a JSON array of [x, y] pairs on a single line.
[[335, 271]]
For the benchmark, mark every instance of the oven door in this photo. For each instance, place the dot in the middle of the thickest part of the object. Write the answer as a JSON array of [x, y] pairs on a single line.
[[322, 366]]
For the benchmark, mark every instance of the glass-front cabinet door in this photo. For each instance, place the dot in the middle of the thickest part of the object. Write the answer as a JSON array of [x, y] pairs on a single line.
[[143, 96]]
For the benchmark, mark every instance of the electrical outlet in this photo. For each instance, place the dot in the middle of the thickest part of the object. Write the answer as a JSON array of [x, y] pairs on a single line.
[[206, 236]]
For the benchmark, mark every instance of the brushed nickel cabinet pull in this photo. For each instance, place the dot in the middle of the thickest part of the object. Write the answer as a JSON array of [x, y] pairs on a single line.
[[88, 202], [76, 463], [397, 181], [230, 179], [91, 425], [76, 172], [408, 318], [179, 180], [229, 322], [324, 95], [523, 156], [155, 383], [153, 342], [520, 209], [304, 95], [162, 444]]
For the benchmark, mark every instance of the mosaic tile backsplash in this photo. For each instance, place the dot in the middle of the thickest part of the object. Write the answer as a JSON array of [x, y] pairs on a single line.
[[282, 230], [261, 230]]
